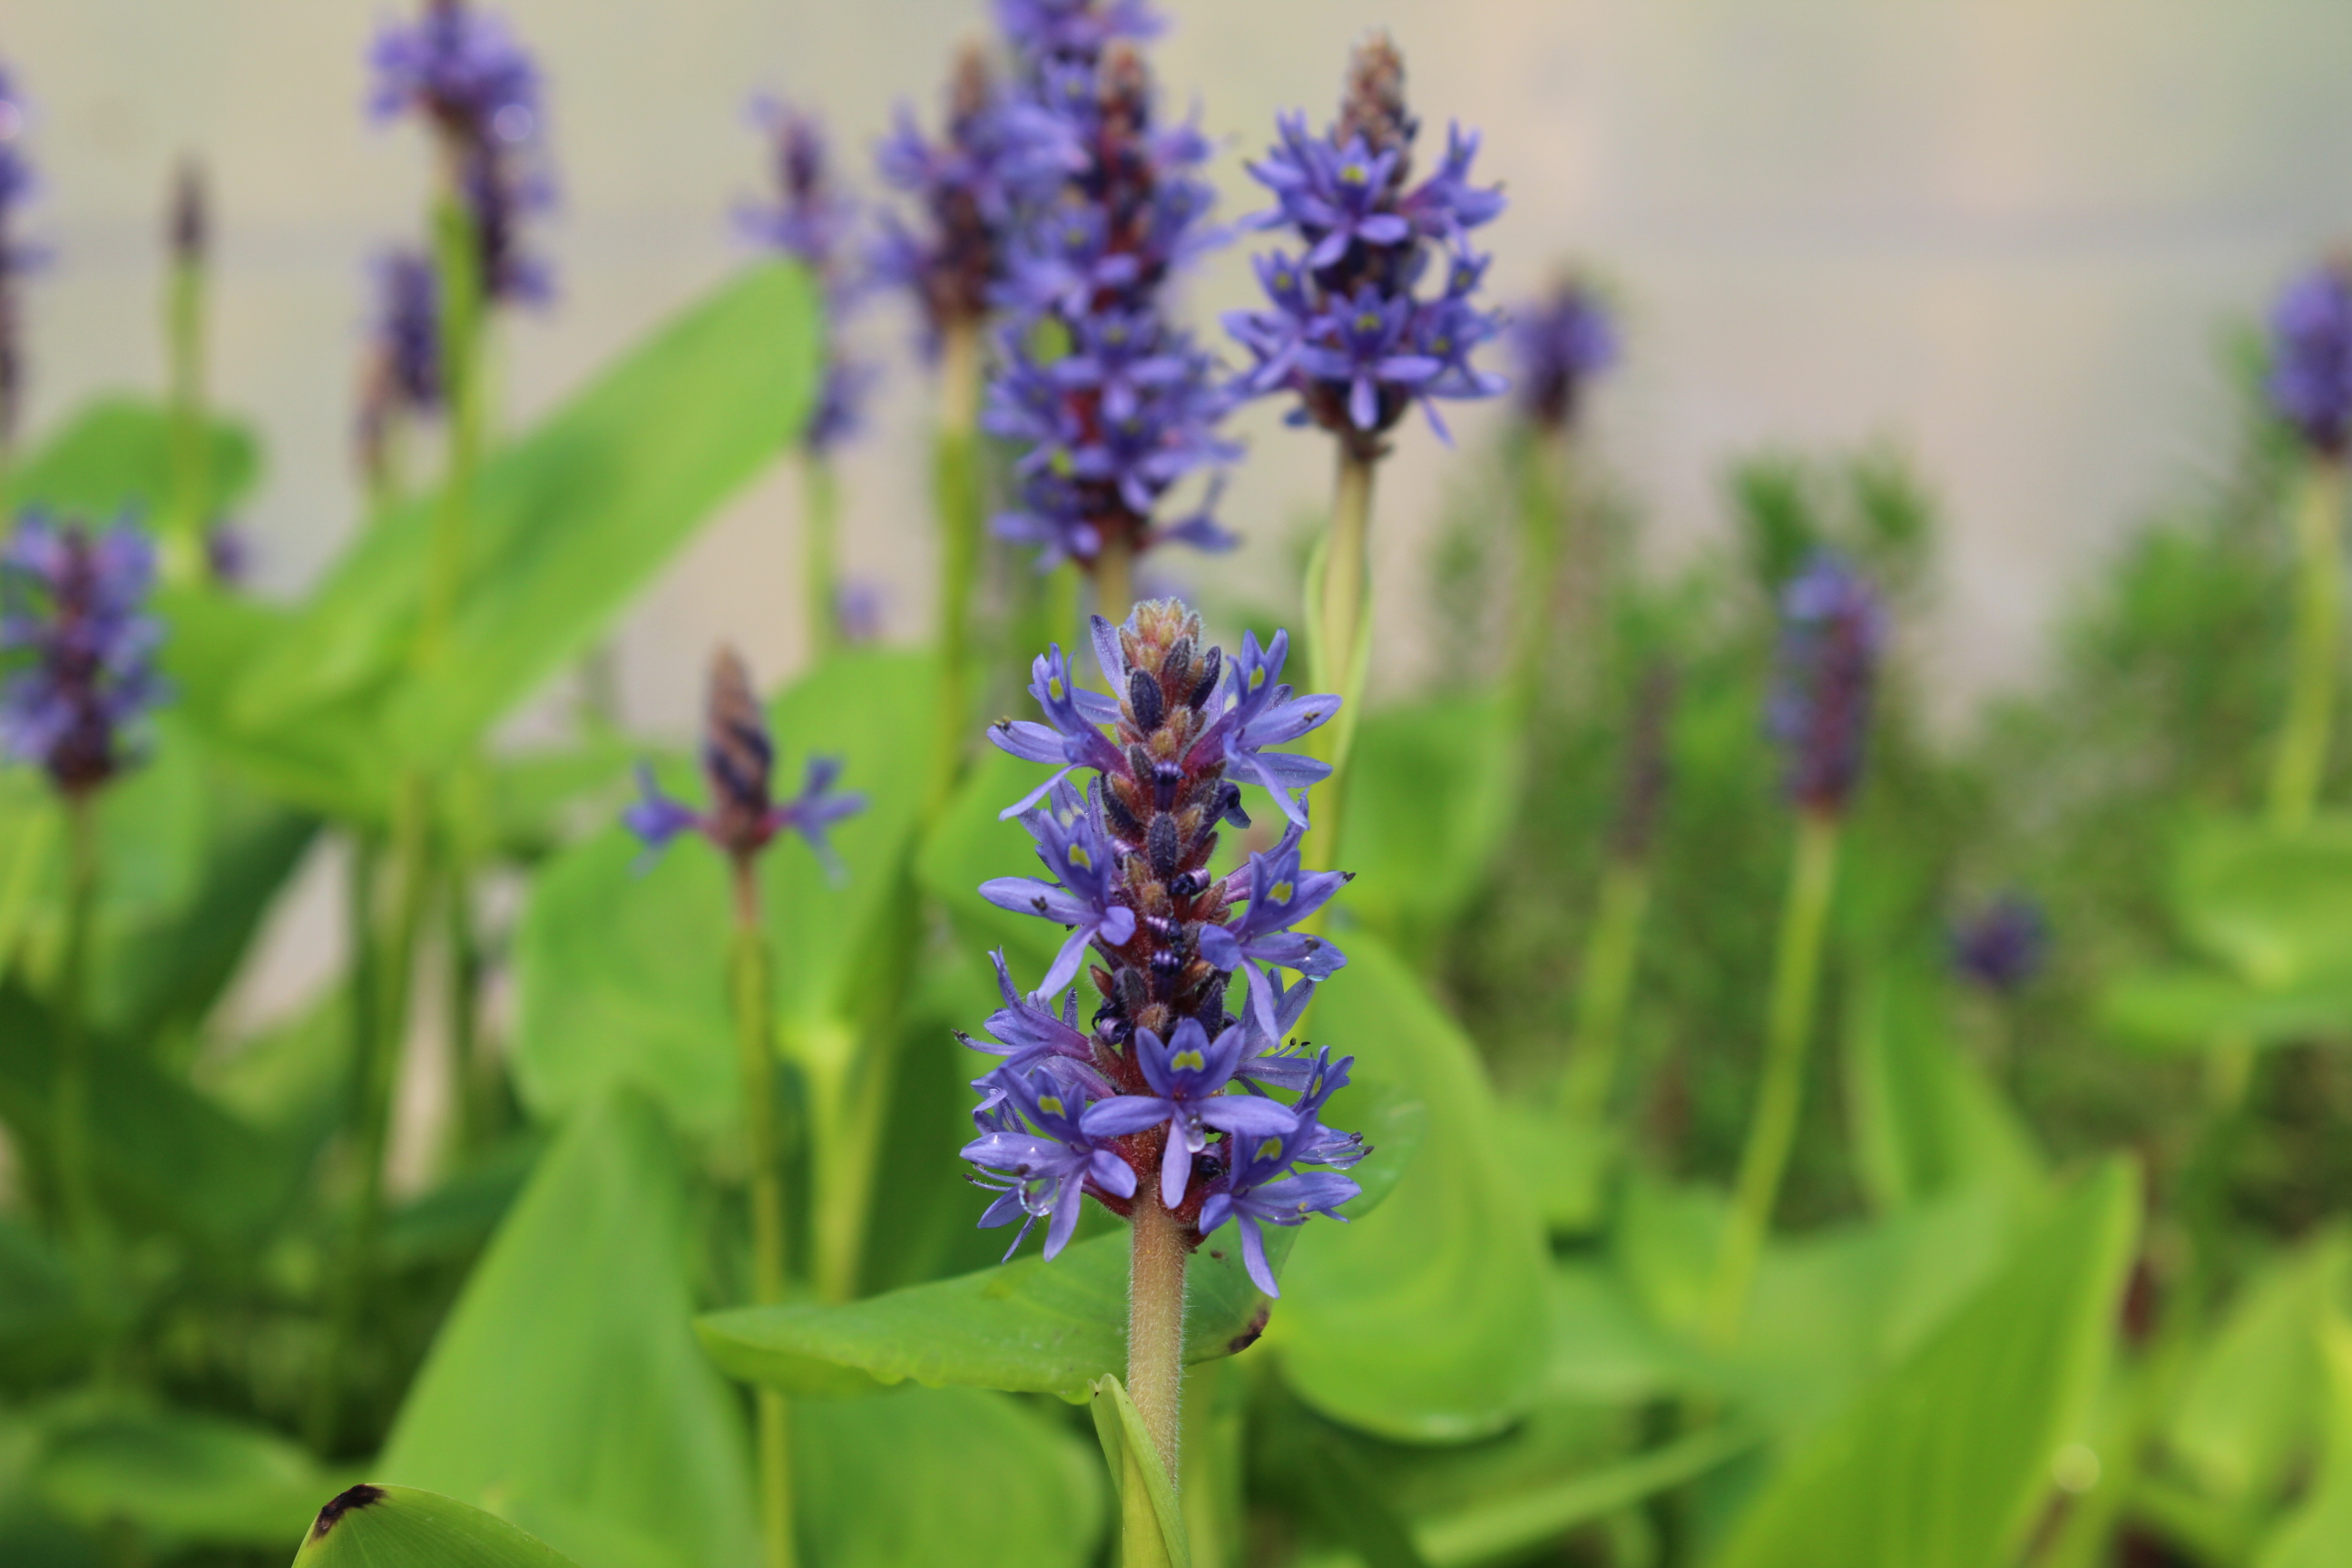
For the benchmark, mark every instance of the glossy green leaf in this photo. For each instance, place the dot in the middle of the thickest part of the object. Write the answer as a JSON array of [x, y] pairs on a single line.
[[1150, 1525], [1426, 1319], [372, 1526], [2273, 905], [565, 1392], [179, 1475], [621, 955], [903, 1477], [1943, 1463], [1028, 1326], [2190, 1007], [2255, 1400], [2318, 1533], [567, 522], [1429, 796], [115, 453]]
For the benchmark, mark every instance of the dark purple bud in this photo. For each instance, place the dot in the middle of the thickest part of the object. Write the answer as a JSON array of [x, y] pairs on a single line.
[[189, 230], [1832, 632], [401, 377], [2002, 946], [1563, 340], [2311, 356]]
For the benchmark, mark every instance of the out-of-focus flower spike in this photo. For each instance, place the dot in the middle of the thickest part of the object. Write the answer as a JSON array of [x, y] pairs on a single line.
[[77, 647], [1834, 632]]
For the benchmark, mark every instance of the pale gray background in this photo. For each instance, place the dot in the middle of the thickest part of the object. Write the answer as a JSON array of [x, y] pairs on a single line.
[[2008, 234]]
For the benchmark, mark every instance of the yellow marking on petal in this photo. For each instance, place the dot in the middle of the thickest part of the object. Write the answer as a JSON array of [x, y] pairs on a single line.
[[1283, 280], [1081, 859], [1191, 1061], [1053, 688], [1257, 678], [1368, 322], [1280, 893], [1051, 1104], [1270, 1149]]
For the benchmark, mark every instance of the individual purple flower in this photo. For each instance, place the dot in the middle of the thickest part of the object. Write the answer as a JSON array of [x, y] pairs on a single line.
[[1349, 330], [1280, 895], [1187, 1075], [1263, 1185], [1071, 736], [1047, 1171], [2002, 946], [841, 393], [2311, 356], [1562, 342], [1832, 633], [1085, 892], [1260, 712], [1027, 1033], [738, 759], [76, 648], [467, 76]]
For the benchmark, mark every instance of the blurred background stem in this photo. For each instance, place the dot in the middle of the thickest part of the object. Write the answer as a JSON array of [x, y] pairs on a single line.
[[820, 546], [1543, 464], [1772, 1129], [756, 1058], [1341, 622], [183, 556], [955, 478], [1603, 988], [2319, 516]]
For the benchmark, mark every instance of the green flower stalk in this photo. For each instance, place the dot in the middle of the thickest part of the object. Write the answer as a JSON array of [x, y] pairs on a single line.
[[1607, 979], [1832, 637], [2318, 522], [1350, 333], [742, 820], [185, 559]]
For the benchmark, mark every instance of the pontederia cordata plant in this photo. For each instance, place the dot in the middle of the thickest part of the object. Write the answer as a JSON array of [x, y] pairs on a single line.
[[1160, 1109], [2311, 388], [1374, 315]]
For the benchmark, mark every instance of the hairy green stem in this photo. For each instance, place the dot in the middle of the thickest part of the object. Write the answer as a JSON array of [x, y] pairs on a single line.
[[1155, 1324], [77, 1195], [821, 551], [458, 271], [1772, 1131], [183, 558], [2318, 520], [1342, 630], [756, 1055], [956, 495], [1602, 989]]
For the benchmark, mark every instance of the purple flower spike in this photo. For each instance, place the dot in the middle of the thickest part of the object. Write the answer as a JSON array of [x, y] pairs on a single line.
[[17, 257], [2311, 356], [76, 649], [1833, 631], [811, 222], [465, 74], [1187, 1074], [1280, 895], [738, 762], [1348, 330], [1562, 342], [1086, 886], [1073, 32], [1048, 1171], [2002, 946], [1177, 1085]]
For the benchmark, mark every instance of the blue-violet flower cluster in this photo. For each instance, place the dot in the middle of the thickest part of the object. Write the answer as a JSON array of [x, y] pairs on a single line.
[[1348, 329], [1166, 1096], [1833, 634], [968, 186], [2002, 946], [812, 221], [76, 649], [1561, 342], [2311, 356], [1113, 404], [739, 759], [400, 374], [466, 74]]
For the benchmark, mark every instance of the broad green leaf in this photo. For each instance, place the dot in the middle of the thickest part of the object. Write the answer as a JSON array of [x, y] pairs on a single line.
[[622, 955], [1028, 1326], [1150, 1525], [2255, 1398], [565, 1392], [164, 1157], [2273, 904], [1925, 1118], [903, 1477], [1426, 1319], [180, 1474], [1429, 796], [565, 524], [1942, 1463], [2318, 1533], [114, 454], [1510, 1526], [2196, 1007], [372, 1526]]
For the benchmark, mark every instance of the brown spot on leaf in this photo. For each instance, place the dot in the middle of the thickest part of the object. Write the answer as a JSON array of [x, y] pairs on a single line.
[[1248, 1337], [359, 1497]]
